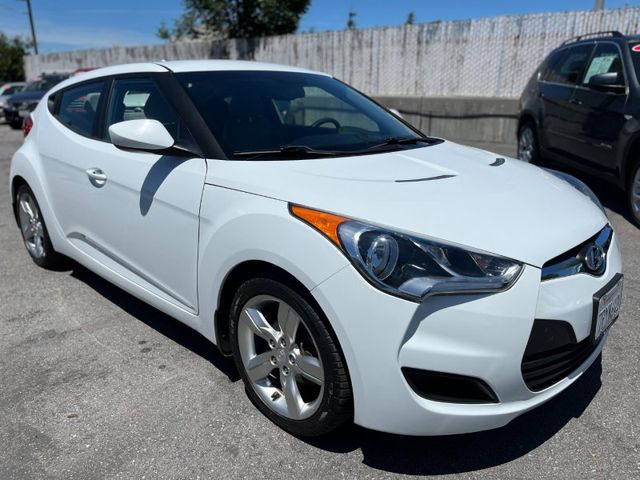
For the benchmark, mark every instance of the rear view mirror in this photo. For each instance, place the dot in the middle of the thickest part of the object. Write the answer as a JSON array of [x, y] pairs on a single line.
[[141, 134], [607, 82]]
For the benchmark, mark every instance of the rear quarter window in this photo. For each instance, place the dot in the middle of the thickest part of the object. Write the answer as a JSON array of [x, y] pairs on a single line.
[[78, 107]]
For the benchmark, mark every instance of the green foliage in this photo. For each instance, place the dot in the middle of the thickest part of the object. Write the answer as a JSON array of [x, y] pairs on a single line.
[[11, 52], [411, 18], [235, 19], [351, 20]]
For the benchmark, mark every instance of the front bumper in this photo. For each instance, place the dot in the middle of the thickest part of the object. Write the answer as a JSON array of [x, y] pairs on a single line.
[[479, 336]]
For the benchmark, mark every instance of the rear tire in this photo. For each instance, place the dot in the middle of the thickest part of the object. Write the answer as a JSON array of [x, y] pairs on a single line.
[[633, 194], [34, 230], [528, 145], [15, 125], [290, 363]]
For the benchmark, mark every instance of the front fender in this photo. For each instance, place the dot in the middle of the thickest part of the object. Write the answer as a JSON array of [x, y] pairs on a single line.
[[236, 227]]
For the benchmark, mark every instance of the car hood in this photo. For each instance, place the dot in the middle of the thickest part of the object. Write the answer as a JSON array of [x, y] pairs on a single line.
[[26, 96], [446, 191]]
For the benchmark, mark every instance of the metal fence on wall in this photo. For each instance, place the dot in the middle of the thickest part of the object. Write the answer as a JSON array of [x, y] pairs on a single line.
[[486, 57]]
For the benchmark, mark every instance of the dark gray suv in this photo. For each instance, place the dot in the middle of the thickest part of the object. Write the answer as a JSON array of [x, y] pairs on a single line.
[[581, 108]]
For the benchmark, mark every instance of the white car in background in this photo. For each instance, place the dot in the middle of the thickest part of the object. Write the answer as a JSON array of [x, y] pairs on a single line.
[[355, 268]]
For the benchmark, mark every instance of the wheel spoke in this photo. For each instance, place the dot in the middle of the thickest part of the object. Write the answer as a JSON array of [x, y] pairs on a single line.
[[291, 395], [288, 320], [310, 368], [258, 324], [32, 206], [259, 366], [26, 208]]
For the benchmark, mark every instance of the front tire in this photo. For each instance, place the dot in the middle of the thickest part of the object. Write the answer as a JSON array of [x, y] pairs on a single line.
[[633, 194], [34, 230], [528, 145], [15, 125], [291, 365]]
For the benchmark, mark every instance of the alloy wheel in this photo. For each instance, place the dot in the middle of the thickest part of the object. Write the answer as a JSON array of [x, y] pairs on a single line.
[[31, 225], [635, 194], [280, 357], [526, 145]]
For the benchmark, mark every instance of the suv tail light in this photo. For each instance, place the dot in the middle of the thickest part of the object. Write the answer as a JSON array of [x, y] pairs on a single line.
[[27, 125]]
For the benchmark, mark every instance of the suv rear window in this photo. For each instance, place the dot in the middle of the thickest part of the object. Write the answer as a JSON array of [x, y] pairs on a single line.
[[568, 67]]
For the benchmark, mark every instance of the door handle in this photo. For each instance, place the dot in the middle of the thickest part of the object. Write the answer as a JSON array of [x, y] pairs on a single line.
[[576, 101], [97, 177]]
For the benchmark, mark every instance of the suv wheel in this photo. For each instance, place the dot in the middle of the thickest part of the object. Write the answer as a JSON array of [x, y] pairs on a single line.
[[633, 193], [528, 148], [291, 365]]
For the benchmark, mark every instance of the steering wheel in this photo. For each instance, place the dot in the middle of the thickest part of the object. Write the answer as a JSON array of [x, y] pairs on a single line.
[[324, 120]]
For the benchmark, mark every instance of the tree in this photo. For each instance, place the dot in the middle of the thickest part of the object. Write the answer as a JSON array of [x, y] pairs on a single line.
[[351, 20], [235, 19], [410, 18], [11, 52]]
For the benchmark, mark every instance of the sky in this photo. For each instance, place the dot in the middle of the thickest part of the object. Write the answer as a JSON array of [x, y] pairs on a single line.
[[80, 24]]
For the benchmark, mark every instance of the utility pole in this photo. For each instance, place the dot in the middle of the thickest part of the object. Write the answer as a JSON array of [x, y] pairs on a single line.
[[33, 28], [598, 5]]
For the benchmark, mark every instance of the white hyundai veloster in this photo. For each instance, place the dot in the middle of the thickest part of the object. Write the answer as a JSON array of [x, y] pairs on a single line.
[[355, 268]]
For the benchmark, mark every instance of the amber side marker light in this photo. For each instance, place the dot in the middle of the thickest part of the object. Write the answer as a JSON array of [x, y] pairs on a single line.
[[325, 223]]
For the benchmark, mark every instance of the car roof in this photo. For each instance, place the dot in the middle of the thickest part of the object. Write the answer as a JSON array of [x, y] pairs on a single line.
[[180, 66]]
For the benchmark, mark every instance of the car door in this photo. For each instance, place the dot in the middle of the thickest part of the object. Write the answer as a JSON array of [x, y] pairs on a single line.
[[556, 91], [135, 212], [600, 115]]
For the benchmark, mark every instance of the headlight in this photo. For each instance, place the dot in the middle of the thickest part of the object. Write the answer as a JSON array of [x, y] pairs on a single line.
[[578, 185], [412, 267]]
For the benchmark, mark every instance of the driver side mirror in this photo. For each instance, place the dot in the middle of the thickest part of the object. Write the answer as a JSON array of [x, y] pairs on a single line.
[[606, 82], [142, 134]]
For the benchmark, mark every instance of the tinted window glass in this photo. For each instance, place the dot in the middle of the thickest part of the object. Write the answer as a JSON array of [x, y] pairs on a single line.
[[141, 99], [78, 107], [635, 56], [569, 68], [259, 110], [553, 60], [606, 59]]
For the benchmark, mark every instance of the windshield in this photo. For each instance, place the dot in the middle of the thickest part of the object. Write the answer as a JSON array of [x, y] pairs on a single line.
[[10, 89], [258, 114], [42, 84]]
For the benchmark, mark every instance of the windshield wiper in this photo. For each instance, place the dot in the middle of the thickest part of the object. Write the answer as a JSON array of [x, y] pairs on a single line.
[[302, 151], [401, 141]]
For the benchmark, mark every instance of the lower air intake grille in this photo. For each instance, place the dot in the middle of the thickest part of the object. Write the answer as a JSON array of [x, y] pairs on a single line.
[[552, 353]]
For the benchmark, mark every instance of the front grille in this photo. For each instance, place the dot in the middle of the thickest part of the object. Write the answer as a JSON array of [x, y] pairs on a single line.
[[552, 353], [572, 261]]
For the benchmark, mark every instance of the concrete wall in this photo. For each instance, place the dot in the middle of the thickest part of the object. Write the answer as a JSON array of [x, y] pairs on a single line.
[[488, 121], [486, 57]]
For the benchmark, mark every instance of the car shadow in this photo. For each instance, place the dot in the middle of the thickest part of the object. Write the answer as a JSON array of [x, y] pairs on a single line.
[[154, 318], [475, 451], [157, 174]]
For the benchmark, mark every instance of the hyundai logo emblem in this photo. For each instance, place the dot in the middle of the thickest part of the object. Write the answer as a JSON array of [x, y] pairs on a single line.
[[594, 258]]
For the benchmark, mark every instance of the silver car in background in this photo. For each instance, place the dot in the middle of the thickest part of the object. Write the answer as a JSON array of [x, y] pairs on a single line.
[[6, 90]]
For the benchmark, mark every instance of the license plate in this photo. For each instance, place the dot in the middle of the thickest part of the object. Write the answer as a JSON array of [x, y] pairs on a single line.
[[23, 113], [606, 307]]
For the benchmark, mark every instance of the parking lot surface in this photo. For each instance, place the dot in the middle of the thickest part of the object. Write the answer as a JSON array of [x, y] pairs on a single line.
[[95, 384]]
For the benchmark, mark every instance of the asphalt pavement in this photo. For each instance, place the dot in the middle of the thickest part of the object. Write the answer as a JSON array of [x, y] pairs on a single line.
[[95, 384]]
